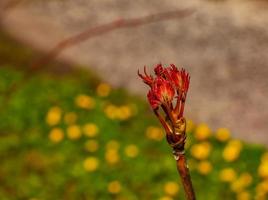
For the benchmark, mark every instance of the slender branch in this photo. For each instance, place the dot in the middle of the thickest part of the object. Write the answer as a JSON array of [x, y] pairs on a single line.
[[185, 176], [90, 33], [106, 28]]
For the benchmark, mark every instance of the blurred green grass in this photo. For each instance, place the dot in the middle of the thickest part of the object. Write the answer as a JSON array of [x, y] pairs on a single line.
[[71, 136], [64, 138]]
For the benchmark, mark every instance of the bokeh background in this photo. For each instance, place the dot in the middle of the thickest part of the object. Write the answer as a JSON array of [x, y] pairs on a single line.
[[79, 126]]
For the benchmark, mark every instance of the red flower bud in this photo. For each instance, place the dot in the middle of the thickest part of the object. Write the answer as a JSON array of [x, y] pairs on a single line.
[[180, 78], [162, 92], [147, 79], [163, 87]]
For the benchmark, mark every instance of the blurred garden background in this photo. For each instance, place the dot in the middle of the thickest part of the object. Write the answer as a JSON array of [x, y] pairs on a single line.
[[79, 127]]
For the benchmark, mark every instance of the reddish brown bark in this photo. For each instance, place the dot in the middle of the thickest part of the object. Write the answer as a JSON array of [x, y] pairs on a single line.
[[185, 177]]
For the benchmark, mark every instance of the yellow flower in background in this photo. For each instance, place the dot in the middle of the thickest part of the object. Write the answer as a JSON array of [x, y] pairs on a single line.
[[90, 129], [171, 188], [237, 186], [202, 132], [235, 143], [227, 175], [204, 167], [70, 118], [166, 198], [111, 156], [201, 151], [56, 135], [114, 187], [243, 181], [154, 133], [113, 144], [189, 126], [132, 151], [222, 134], [110, 111], [123, 112], [246, 178], [53, 116], [91, 164], [244, 195], [232, 150], [262, 189], [263, 169], [85, 101], [74, 132], [260, 196], [91, 145], [103, 89]]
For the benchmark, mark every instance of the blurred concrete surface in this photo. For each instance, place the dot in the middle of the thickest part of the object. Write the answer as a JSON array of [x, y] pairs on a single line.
[[224, 46]]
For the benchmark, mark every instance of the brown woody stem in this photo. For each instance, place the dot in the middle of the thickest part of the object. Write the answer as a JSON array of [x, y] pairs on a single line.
[[185, 175]]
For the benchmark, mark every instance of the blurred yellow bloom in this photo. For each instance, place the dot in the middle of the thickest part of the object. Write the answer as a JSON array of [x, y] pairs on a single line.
[[91, 145], [222, 134], [84, 101], [114, 187], [262, 189], [235, 143], [204, 167], [244, 195], [201, 151], [74, 132], [246, 178], [113, 144], [154, 133], [232, 150], [103, 89], [111, 156], [90, 129], [53, 116], [202, 132], [237, 186], [166, 198], [189, 126], [171, 188], [70, 118], [263, 169], [132, 151], [91, 164], [56, 135], [111, 111], [118, 112], [260, 196], [242, 182], [123, 112], [227, 175]]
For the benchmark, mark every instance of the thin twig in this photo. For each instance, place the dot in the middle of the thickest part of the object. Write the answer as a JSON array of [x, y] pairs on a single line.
[[106, 28], [185, 177], [88, 34]]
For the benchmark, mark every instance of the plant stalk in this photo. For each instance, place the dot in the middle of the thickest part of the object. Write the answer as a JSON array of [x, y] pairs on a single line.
[[185, 176]]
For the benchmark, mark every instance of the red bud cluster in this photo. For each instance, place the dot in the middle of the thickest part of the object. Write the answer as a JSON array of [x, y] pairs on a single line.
[[168, 90]]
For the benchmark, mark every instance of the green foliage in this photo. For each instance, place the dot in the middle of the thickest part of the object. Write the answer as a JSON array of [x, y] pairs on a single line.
[[70, 137]]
